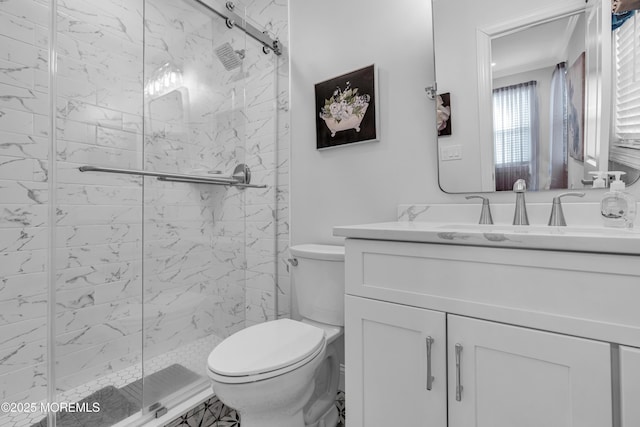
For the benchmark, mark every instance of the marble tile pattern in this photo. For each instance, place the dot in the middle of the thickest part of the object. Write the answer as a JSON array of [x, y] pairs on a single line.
[[206, 260], [24, 109], [268, 154], [213, 413], [412, 213]]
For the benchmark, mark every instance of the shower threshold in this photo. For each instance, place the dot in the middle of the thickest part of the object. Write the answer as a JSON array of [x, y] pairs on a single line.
[[117, 404], [191, 356]]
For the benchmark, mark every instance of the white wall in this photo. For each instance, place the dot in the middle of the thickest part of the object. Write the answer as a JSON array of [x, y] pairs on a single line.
[[365, 182]]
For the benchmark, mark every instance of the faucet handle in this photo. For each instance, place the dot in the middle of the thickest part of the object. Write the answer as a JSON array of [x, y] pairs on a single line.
[[570, 193], [557, 216], [485, 215], [520, 186]]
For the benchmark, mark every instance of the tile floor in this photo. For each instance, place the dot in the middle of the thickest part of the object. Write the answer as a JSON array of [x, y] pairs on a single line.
[[214, 413]]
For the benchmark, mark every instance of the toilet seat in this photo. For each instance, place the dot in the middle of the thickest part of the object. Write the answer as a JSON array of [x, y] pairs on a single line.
[[265, 351]]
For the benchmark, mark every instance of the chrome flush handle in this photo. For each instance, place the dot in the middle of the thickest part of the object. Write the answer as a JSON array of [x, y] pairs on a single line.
[[291, 261]]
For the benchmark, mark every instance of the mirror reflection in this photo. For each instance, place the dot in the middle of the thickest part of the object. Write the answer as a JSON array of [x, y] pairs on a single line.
[[541, 102], [536, 125]]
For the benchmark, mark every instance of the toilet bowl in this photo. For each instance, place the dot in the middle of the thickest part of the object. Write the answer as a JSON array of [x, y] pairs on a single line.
[[284, 372]]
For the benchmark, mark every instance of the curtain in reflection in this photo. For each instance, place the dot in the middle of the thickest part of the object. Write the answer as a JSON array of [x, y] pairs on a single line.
[[558, 170], [515, 127]]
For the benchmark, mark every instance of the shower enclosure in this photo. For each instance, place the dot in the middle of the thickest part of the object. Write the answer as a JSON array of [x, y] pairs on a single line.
[[132, 239]]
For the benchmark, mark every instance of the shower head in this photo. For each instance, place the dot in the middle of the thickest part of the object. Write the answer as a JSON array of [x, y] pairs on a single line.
[[230, 58]]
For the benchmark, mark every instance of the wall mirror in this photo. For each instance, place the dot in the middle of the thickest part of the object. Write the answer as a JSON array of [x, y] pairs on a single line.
[[530, 91]]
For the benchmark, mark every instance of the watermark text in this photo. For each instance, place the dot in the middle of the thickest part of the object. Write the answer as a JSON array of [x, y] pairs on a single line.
[[31, 407]]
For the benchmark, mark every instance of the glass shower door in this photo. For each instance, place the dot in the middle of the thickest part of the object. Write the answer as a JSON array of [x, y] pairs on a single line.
[[97, 330], [24, 208], [114, 288], [194, 234]]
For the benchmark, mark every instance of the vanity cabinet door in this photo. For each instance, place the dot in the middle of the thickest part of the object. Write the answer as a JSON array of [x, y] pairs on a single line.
[[386, 365], [630, 386], [512, 376]]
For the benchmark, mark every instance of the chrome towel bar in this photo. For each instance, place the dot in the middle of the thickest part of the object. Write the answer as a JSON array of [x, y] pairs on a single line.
[[241, 176]]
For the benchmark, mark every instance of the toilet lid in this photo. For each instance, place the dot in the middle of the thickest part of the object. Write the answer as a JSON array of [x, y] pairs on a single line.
[[265, 347]]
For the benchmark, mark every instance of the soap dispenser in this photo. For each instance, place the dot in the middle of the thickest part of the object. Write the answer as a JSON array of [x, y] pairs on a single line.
[[618, 208], [599, 179]]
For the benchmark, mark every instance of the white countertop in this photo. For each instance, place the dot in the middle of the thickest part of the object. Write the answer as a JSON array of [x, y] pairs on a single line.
[[580, 239]]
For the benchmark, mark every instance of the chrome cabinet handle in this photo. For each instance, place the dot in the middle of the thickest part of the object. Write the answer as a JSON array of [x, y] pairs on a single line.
[[458, 384], [430, 378]]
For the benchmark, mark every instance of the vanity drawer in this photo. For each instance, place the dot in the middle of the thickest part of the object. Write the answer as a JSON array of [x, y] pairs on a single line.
[[583, 294]]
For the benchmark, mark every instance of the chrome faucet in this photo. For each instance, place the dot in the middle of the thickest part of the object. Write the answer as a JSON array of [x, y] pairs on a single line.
[[520, 216], [485, 215], [557, 216]]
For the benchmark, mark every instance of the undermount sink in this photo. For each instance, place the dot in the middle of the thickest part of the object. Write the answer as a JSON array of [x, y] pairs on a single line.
[[569, 238]]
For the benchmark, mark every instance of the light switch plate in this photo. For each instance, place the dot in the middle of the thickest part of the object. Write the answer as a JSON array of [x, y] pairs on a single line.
[[451, 152]]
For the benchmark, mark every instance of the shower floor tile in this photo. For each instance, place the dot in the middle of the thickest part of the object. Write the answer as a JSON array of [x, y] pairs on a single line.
[[192, 356]]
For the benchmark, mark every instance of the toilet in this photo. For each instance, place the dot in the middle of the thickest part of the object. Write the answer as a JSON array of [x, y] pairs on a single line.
[[285, 373]]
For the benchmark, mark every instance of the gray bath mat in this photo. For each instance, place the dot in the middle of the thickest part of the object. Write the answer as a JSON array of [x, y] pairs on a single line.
[[160, 384], [115, 406]]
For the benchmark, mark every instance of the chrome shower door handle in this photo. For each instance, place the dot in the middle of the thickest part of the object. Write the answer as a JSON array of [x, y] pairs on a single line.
[[429, 376], [458, 380]]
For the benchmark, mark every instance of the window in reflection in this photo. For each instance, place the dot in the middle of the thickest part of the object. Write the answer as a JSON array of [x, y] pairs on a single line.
[[515, 133], [627, 68]]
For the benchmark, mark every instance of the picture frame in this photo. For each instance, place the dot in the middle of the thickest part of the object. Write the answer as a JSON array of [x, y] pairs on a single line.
[[347, 109], [575, 115], [443, 114]]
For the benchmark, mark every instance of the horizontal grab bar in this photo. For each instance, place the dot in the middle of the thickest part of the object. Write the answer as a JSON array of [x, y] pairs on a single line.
[[241, 176], [217, 179]]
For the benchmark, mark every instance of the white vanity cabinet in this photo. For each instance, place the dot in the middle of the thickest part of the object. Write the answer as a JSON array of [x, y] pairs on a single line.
[[630, 386], [527, 337], [394, 351], [504, 376]]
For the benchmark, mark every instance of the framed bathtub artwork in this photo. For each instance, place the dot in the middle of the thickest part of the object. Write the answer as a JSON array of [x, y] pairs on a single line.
[[347, 109]]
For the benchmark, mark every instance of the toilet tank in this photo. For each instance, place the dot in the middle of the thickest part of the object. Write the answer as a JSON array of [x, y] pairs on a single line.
[[318, 278]]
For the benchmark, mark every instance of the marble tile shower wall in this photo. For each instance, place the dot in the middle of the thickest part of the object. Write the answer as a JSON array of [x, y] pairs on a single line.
[[268, 155], [191, 290], [202, 274], [24, 108], [99, 111]]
